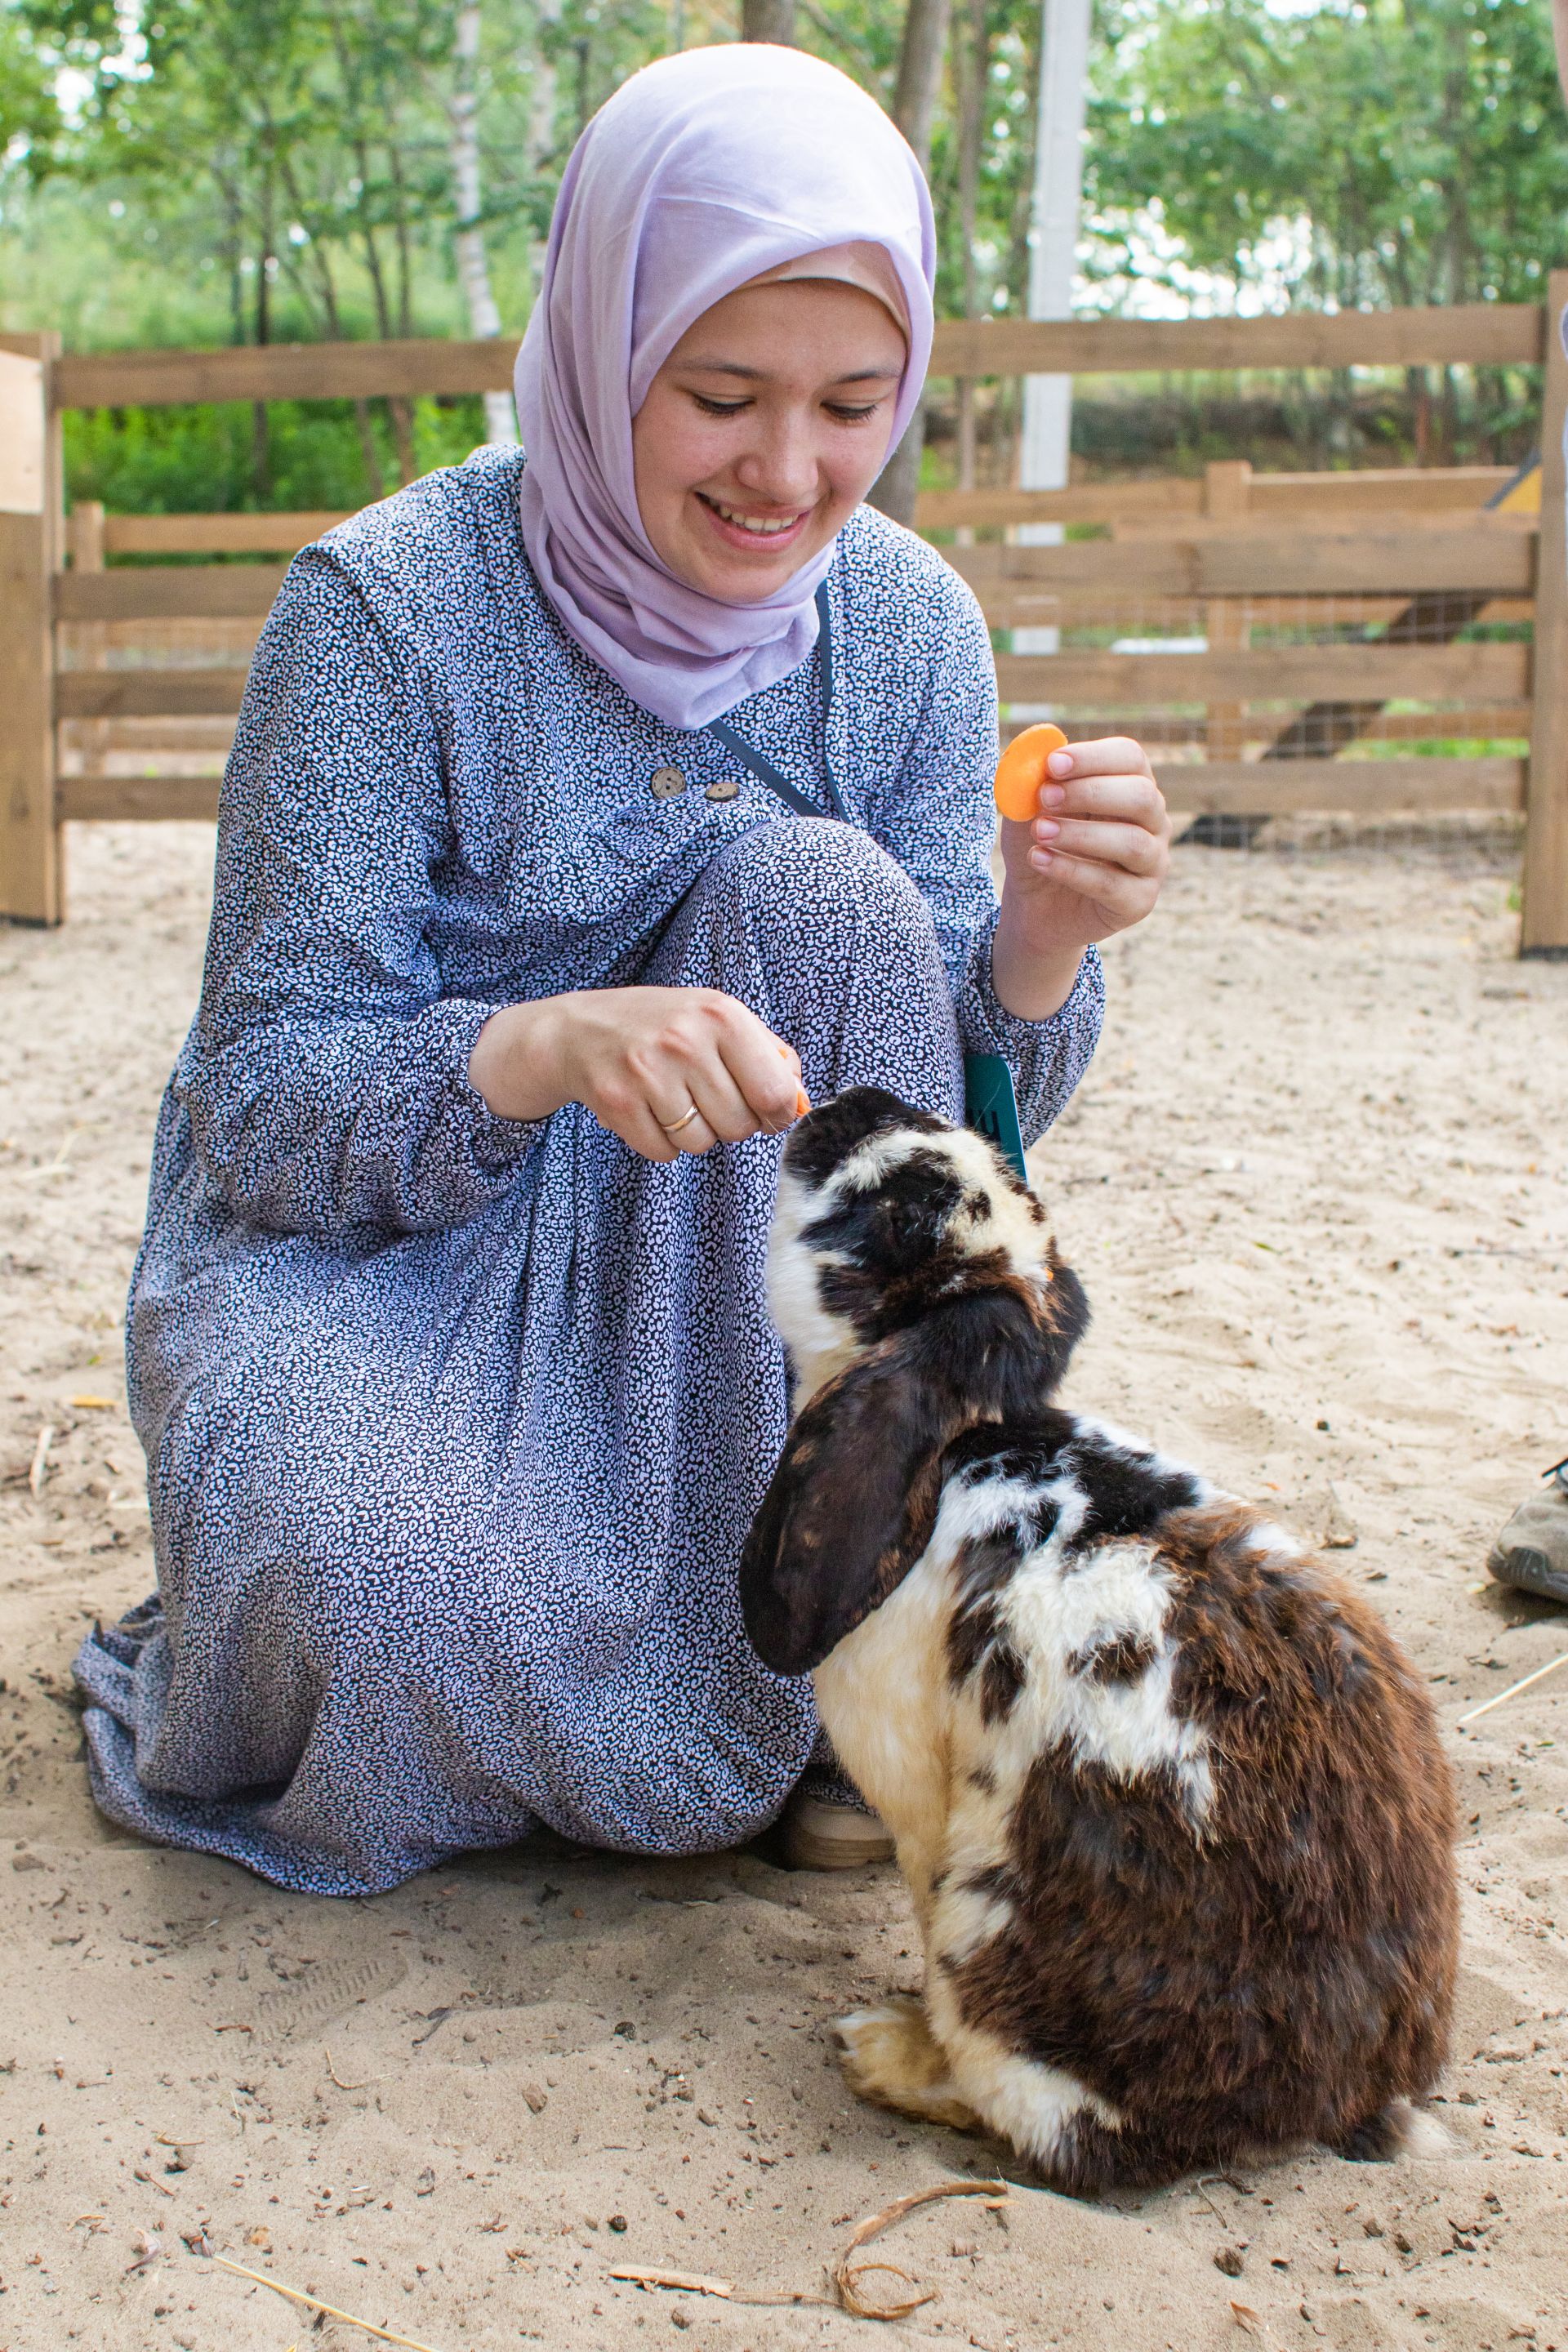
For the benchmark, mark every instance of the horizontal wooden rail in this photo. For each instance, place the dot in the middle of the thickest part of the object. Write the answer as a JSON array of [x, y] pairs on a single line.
[[284, 372], [1404, 490], [1275, 673], [216, 534], [1500, 722], [1318, 563], [1464, 334], [113, 800], [1414, 787], [1193, 788], [200, 591], [1409, 492], [1486, 334], [148, 693]]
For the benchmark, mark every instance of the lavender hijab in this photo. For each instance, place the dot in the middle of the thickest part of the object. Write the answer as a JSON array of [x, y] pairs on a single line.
[[703, 172]]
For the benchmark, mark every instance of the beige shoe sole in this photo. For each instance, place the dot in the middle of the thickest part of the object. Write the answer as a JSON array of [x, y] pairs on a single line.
[[818, 1836]]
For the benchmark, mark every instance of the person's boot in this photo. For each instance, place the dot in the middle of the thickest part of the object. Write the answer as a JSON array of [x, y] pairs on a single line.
[[823, 1836], [1531, 1553]]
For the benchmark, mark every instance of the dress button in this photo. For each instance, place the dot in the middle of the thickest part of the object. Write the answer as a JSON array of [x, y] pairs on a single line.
[[665, 783], [724, 788]]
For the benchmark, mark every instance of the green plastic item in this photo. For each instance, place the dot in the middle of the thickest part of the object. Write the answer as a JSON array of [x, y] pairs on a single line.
[[991, 1107]]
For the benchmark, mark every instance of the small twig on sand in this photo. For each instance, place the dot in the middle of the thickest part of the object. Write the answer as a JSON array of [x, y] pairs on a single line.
[[1513, 1690], [339, 2079], [329, 2311], [688, 2282], [847, 2275], [40, 1466]]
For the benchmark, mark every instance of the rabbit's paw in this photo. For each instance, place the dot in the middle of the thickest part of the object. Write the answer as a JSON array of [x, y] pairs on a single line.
[[889, 2056]]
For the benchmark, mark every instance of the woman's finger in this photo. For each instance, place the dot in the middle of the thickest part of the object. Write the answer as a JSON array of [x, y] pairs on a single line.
[[1130, 846], [1107, 756], [1136, 798], [725, 1108], [766, 1073], [1128, 897]]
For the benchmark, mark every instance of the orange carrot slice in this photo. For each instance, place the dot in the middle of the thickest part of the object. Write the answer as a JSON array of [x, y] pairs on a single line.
[[802, 1099], [1021, 771]]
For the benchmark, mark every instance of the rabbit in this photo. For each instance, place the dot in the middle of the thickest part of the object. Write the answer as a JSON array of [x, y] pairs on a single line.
[[1169, 1803]]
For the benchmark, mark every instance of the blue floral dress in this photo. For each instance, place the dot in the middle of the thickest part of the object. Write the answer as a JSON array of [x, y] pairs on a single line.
[[455, 1424]]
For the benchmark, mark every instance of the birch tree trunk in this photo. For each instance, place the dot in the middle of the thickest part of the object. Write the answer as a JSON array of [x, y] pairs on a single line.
[[473, 269], [914, 111]]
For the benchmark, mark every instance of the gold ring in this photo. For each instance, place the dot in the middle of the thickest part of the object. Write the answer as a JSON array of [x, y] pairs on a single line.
[[679, 1123]]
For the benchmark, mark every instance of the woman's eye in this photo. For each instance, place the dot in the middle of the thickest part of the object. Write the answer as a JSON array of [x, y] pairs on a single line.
[[720, 407], [845, 416]]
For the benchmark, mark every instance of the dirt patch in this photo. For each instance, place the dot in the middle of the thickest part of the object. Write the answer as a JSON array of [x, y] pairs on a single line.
[[1317, 1189]]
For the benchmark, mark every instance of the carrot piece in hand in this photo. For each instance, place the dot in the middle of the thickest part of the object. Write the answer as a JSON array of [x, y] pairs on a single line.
[[802, 1099], [1021, 771]]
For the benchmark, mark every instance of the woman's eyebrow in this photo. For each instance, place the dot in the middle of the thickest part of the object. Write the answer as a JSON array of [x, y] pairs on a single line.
[[761, 375]]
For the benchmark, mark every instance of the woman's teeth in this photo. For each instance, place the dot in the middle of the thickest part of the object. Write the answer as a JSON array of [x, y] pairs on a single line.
[[754, 523]]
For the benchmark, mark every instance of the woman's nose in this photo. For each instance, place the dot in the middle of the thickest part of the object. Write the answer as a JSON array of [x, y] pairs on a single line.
[[782, 466]]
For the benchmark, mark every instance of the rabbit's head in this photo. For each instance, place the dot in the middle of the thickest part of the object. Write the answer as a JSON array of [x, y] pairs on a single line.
[[915, 1282]]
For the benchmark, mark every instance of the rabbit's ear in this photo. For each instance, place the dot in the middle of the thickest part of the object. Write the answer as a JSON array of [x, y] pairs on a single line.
[[850, 1509]]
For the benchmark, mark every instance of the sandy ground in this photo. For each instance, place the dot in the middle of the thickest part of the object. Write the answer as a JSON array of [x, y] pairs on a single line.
[[1317, 1186]]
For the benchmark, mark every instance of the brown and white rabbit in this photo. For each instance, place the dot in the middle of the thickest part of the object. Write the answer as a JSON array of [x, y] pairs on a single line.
[[1170, 1802]]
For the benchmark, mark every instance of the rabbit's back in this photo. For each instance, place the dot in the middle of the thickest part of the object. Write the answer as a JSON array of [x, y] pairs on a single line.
[[1200, 1856]]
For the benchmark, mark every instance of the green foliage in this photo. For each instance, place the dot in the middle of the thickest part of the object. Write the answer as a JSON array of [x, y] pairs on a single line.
[[1362, 151], [201, 460], [281, 169]]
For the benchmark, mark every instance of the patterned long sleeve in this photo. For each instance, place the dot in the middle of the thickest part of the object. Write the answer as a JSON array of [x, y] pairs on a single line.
[[326, 1075]]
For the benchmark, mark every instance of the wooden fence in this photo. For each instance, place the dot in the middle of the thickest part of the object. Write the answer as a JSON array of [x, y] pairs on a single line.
[[1269, 621]]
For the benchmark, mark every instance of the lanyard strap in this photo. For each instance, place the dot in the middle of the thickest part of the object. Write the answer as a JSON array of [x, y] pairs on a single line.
[[765, 770]]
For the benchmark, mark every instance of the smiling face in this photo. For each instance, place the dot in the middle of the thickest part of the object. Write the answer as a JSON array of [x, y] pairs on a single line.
[[762, 432]]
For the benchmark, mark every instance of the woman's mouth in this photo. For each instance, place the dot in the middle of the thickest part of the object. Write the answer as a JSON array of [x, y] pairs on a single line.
[[738, 528]]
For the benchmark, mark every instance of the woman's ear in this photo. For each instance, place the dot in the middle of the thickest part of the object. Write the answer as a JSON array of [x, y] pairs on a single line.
[[850, 1509]]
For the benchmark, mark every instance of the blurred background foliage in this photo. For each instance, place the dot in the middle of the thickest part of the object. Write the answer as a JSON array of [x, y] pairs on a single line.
[[212, 170]]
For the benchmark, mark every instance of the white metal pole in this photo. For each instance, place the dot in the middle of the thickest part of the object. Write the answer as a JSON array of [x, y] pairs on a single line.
[[1053, 250]]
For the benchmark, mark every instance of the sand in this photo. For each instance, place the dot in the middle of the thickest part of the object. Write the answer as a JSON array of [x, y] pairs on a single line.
[[1317, 1187]]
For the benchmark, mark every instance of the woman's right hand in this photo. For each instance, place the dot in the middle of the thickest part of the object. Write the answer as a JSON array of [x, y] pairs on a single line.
[[640, 1059]]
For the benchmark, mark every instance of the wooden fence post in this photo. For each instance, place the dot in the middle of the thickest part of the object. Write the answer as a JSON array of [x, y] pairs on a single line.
[[1544, 931], [85, 534], [30, 882], [1227, 490]]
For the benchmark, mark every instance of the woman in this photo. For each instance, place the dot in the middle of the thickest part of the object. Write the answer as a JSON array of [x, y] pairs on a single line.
[[448, 1344]]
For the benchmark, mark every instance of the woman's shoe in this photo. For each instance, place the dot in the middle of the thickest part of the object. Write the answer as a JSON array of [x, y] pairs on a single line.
[[820, 1836], [1532, 1550]]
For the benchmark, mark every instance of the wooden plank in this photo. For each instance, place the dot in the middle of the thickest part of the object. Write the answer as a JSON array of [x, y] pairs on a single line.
[[1269, 674], [149, 693], [218, 534], [1544, 928], [1167, 494], [1006, 608], [285, 372], [1338, 521], [1373, 491], [1228, 501], [1321, 564], [189, 591], [1417, 787], [137, 799], [21, 436], [1489, 334], [31, 876]]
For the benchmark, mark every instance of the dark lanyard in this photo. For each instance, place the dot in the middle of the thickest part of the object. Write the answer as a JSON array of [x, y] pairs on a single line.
[[764, 769]]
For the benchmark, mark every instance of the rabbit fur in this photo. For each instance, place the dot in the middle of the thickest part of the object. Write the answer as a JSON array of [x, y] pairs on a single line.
[[1170, 1802]]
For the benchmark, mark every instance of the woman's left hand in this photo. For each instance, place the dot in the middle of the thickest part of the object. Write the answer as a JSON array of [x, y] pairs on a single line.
[[1090, 863]]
